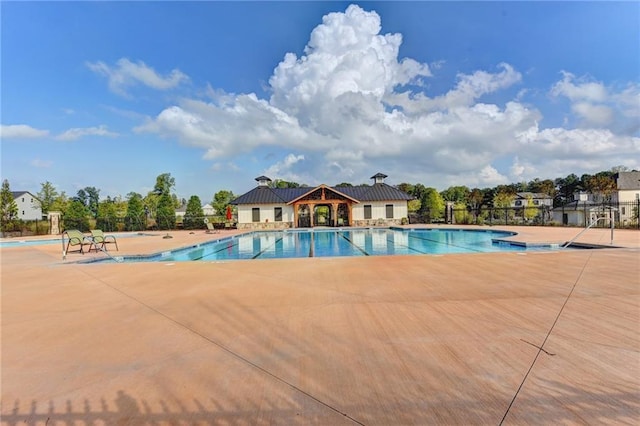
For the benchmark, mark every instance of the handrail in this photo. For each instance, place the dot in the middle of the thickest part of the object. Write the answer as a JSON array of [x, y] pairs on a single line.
[[593, 222]]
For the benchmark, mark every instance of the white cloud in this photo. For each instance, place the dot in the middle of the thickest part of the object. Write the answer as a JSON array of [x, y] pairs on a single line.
[[596, 115], [352, 107], [21, 131], [597, 105], [79, 132], [126, 74], [582, 91], [283, 169]]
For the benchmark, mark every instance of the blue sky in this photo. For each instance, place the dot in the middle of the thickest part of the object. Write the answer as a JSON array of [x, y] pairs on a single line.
[[112, 94]]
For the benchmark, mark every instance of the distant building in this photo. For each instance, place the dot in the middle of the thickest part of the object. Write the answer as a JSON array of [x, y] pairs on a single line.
[[586, 206], [537, 199], [265, 207], [29, 207], [206, 209]]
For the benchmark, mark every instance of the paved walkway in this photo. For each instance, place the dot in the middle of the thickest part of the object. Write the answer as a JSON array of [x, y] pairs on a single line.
[[531, 338]]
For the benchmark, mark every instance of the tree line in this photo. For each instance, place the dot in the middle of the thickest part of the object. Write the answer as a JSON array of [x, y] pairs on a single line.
[[159, 205], [135, 211]]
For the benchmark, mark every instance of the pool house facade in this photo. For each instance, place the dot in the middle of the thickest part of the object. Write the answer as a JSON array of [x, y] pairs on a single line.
[[378, 204]]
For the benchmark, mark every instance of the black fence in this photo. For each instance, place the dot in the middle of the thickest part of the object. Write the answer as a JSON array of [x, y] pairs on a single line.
[[625, 215]]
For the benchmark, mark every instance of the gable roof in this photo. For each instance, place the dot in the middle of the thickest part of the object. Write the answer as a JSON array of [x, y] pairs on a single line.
[[377, 192], [533, 195], [334, 189], [628, 180], [16, 194]]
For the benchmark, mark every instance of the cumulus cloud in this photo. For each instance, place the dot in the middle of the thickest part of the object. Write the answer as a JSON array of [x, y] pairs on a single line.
[[597, 105], [350, 103], [21, 131], [126, 74], [283, 169], [79, 132]]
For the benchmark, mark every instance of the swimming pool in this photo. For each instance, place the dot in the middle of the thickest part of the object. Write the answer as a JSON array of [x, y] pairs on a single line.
[[337, 242]]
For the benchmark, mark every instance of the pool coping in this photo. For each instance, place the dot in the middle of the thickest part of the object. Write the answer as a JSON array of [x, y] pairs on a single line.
[[165, 253]]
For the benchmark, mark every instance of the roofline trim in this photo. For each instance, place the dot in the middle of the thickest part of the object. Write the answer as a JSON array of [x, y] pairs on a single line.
[[319, 187]]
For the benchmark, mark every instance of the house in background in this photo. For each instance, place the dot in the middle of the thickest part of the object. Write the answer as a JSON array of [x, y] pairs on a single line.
[[538, 199], [28, 205], [275, 208], [587, 206], [207, 209]]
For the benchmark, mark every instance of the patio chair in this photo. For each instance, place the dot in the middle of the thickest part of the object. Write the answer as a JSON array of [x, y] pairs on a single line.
[[76, 238], [211, 229], [100, 240]]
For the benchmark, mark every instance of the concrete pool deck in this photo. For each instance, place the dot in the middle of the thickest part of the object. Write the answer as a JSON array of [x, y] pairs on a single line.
[[535, 337]]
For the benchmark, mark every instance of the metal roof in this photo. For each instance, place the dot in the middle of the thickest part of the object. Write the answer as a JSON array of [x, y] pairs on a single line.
[[266, 195]]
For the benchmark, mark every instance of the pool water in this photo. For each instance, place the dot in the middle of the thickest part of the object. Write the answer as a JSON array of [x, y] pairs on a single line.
[[337, 242]]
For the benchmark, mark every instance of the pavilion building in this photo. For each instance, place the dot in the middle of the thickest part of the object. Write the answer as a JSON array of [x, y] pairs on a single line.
[[378, 204]]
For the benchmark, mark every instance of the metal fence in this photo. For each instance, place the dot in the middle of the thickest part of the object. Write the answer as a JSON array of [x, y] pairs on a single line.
[[625, 215]]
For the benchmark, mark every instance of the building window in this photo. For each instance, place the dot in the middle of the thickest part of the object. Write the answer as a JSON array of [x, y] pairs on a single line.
[[389, 209], [277, 213], [255, 214], [23, 199], [623, 211], [367, 211], [518, 202], [536, 202]]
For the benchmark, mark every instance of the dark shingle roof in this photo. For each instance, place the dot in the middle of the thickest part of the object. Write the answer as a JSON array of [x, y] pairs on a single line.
[[17, 194], [377, 192], [628, 180], [533, 195]]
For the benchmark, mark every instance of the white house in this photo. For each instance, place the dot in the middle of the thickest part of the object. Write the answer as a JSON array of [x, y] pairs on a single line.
[[207, 209], [537, 199], [28, 205], [378, 204], [627, 195], [625, 200]]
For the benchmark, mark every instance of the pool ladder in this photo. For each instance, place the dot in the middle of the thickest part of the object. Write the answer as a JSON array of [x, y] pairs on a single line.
[[593, 222]]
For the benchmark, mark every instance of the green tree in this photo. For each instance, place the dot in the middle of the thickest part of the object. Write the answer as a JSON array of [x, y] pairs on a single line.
[[344, 184], [221, 200], [413, 206], [407, 188], [530, 210], [603, 184], [566, 187], [135, 217], [456, 194], [93, 200], [107, 219], [475, 201], [194, 215], [76, 216], [164, 184], [60, 203], [90, 197], [503, 199], [47, 196], [8, 207], [279, 183], [166, 213], [431, 204]]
